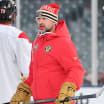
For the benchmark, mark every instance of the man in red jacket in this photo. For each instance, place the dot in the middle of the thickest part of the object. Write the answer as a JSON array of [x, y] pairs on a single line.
[[55, 69]]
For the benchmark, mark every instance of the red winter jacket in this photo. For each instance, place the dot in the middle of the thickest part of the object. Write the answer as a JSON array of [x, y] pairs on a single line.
[[54, 61]]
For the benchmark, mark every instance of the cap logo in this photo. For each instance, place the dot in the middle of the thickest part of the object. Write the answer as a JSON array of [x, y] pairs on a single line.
[[48, 49], [52, 10]]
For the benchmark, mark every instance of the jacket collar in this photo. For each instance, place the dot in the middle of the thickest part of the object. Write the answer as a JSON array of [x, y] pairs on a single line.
[[61, 31]]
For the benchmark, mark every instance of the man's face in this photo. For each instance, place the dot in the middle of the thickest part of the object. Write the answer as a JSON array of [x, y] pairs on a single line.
[[46, 24]]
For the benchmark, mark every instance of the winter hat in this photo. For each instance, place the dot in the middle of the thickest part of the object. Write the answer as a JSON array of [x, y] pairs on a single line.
[[49, 11]]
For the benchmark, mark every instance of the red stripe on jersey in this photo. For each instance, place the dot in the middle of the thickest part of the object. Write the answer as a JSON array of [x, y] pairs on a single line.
[[3, 24], [23, 35]]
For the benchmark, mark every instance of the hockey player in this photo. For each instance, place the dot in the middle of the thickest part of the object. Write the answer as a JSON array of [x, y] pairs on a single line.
[[55, 69], [15, 51]]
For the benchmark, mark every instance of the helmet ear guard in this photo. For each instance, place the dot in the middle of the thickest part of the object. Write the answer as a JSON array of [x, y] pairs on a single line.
[[7, 9]]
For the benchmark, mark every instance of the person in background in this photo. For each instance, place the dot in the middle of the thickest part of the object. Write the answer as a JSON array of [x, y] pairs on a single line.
[[101, 77], [55, 69], [15, 51]]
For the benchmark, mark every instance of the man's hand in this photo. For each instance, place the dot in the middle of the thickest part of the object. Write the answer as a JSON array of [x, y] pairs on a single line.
[[22, 94], [67, 90]]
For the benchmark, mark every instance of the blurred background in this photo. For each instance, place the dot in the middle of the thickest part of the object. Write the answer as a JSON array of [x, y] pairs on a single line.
[[85, 21]]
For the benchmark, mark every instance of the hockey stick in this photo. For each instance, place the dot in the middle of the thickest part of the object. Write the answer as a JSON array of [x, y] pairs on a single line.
[[69, 98]]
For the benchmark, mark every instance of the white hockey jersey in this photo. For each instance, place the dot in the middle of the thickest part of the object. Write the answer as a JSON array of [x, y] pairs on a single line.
[[15, 55]]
